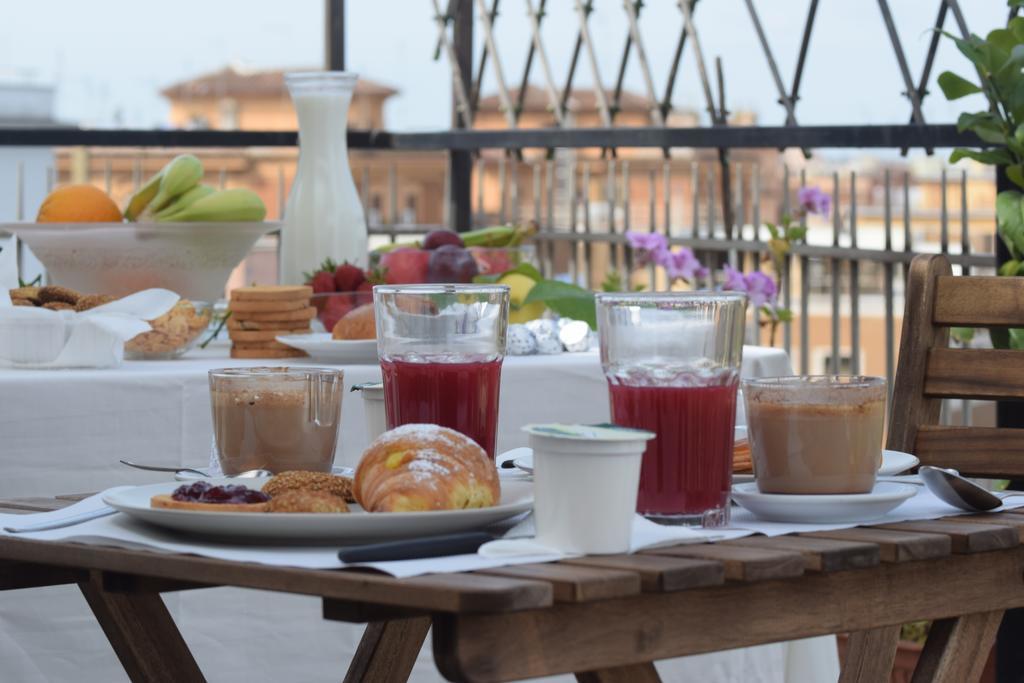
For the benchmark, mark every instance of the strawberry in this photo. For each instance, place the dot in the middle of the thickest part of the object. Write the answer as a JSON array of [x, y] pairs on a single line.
[[322, 282], [364, 293], [334, 310], [348, 277]]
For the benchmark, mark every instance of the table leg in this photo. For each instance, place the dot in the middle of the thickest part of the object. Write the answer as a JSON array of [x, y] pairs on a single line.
[[957, 648], [388, 650], [142, 633], [634, 673], [870, 655]]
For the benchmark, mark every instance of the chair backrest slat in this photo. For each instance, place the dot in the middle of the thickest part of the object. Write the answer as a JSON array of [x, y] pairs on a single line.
[[978, 451], [979, 301], [981, 374], [929, 371]]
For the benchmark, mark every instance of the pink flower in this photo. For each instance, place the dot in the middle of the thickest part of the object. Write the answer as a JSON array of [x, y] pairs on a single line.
[[814, 200], [682, 264], [761, 289]]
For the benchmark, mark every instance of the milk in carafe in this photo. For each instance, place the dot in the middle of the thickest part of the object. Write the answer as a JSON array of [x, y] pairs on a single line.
[[324, 216]]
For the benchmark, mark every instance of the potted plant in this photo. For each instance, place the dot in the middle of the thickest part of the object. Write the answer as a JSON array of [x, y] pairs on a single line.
[[998, 60]]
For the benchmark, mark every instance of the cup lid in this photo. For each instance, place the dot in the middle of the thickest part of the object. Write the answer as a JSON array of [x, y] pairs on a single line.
[[598, 432]]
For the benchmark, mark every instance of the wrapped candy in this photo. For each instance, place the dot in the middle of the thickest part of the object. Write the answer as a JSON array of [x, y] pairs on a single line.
[[574, 335], [521, 341], [546, 333]]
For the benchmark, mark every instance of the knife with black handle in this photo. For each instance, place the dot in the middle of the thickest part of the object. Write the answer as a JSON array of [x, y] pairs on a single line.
[[415, 549]]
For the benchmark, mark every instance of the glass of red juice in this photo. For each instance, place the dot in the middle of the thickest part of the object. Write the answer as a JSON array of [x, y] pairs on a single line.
[[440, 348], [672, 360]]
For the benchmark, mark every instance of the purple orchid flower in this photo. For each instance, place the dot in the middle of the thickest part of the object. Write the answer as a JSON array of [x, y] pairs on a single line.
[[651, 246], [734, 280], [761, 289], [683, 264], [814, 200]]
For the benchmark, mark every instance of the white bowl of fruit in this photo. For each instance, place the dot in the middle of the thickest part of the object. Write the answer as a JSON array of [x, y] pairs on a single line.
[[175, 233]]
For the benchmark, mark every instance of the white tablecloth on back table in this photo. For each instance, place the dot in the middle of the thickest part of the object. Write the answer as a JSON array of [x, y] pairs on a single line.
[[64, 431]]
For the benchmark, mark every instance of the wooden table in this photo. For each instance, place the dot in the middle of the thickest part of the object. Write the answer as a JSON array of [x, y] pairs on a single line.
[[604, 618]]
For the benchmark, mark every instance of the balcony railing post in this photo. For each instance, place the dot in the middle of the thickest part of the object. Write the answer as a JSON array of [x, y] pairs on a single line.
[[460, 212], [335, 38]]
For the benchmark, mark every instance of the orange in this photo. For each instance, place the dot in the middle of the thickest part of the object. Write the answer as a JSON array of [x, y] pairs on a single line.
[[78, 204]]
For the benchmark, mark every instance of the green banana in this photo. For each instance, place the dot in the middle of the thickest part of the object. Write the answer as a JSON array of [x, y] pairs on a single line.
[[494, 236], [178, 177], [170, 212], [141, 199], [224, 206]]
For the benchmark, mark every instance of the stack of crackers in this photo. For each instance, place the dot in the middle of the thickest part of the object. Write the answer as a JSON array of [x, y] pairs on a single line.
[[260, 313]]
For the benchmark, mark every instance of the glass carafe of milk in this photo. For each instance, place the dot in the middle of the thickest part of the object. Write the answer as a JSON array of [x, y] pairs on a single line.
[[324, 217]]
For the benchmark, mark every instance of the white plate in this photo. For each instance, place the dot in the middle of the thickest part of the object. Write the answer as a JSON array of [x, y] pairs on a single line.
[[355, 527], [321, 347], [824, 508], [894, 462]]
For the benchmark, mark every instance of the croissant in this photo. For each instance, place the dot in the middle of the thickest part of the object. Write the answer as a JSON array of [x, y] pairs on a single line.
[[425, 467]]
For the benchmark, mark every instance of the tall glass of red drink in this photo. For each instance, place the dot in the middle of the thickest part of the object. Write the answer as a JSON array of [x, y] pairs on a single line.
[[672, 360], [440, 348]]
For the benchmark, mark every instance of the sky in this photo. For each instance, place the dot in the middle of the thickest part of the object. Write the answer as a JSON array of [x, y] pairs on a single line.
[[109, 58]]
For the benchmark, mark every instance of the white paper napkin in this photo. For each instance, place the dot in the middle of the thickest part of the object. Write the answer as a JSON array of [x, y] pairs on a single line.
[[93, 338], [520, 540]]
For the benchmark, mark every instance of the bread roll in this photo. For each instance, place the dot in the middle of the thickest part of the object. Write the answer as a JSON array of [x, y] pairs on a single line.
[[358, 323], [425, 467]]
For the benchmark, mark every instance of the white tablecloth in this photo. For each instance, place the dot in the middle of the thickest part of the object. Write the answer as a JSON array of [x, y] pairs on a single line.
[[64, 431]]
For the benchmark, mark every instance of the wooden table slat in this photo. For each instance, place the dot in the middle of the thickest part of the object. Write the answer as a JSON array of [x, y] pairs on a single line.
[[894, 546], [820, 554], [966, 537], [742, 563], [660, 574], [1015, 522], [37, 504], [575, 583]]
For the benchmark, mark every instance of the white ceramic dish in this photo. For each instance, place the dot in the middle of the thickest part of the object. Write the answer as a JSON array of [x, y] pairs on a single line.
[[824, 508], [356, 526], [192, 259], [322, 348]]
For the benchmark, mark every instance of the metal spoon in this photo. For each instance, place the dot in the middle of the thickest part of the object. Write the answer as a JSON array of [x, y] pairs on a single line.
[[958, 491], [247, 474]]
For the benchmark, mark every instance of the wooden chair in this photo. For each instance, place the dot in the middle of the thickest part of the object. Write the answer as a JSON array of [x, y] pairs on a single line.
[[927, 372]]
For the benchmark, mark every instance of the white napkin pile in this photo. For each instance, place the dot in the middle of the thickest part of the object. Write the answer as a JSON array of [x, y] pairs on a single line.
[[41, 338]]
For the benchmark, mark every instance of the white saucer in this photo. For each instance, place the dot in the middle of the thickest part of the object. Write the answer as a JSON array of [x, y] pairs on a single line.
[[323, 348], [894, 462], [825, 508]]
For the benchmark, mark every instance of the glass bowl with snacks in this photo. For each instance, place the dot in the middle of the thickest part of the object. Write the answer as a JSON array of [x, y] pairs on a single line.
[[173, 333]]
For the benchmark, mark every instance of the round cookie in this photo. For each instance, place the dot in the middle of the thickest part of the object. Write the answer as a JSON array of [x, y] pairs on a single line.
[[276, 316], [261, 335], [267, 353], [267, 306], [271, 293]]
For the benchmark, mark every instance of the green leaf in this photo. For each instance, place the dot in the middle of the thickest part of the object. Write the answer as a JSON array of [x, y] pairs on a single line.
[[985, 125], [1016, 338], [964, 335], [954, 87], [527, 269], [999, 157], [1016, 26], [566, 300], [796, 233], [1016, 174], [1010, 219], [612, 282], [1009, 268], [783, 315], [772, 230]]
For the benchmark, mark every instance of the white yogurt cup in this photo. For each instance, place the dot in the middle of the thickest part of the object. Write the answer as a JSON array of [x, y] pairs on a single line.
[[586, 480], [373, 409]]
